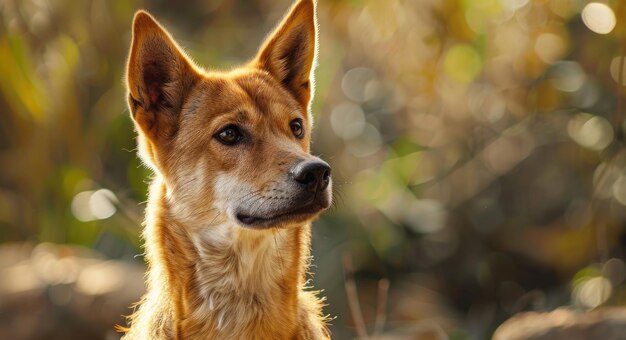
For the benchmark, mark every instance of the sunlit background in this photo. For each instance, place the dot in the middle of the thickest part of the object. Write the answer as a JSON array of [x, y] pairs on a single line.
[[477, 151]]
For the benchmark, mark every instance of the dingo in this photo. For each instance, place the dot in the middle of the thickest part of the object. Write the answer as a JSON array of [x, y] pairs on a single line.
[[227, 228]]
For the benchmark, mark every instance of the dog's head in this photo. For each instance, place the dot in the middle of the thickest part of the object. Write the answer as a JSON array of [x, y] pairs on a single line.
[[235, 143]]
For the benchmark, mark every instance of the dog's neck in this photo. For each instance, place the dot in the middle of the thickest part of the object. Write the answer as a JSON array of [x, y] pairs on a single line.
[[222, 278]]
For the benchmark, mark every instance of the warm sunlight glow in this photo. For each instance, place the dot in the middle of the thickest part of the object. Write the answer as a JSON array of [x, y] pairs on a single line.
[[100, 279], [347, 120], [549, 47], [592, 292], [590, 131], [599, 18], [615, 70], [93, 205]]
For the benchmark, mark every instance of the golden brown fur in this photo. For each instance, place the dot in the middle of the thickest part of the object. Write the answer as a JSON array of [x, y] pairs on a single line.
[[209, 277]]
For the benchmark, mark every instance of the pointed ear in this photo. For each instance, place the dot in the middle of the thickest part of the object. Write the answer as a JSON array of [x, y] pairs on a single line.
[[290, 51], [158, 79]]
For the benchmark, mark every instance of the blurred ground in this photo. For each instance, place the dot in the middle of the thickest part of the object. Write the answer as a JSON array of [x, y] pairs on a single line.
[[477, 149], [562, 324], [64, 292]]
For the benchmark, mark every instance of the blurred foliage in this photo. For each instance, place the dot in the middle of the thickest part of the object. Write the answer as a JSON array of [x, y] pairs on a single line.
[[477, 146]]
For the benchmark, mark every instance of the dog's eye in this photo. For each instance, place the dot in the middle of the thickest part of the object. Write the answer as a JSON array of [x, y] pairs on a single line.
[[296, 128], [230, 135]]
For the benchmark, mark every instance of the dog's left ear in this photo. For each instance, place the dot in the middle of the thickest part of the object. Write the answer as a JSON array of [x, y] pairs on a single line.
[[290, 51]]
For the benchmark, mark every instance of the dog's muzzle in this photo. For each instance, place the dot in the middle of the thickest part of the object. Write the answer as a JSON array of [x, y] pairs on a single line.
[[305, 192]]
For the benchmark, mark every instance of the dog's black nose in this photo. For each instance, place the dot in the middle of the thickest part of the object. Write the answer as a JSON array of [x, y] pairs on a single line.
[[314, 175]]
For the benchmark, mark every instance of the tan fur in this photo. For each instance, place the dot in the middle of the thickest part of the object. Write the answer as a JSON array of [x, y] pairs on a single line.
[[209, 277]]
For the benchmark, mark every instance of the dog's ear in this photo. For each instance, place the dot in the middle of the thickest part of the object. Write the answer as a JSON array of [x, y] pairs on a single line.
[[158, 79], [290, 51]]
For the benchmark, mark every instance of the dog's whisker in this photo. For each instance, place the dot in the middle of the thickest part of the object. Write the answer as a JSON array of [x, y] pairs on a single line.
[[252, 195], [219, 213], [260, 205]]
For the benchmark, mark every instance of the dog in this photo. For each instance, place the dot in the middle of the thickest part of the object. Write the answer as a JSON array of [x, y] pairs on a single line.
[[235, 188]]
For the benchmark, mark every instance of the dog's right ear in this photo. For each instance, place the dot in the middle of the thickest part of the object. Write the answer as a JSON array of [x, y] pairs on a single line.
[[159, 78]]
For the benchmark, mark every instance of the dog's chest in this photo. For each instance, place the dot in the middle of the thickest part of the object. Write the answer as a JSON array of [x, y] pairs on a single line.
[[238, 276]]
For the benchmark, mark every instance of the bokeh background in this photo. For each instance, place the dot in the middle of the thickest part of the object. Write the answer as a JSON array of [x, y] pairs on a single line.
[[477, 149]]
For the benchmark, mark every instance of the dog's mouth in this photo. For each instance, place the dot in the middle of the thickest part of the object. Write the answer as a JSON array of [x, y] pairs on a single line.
[[296, 215]]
